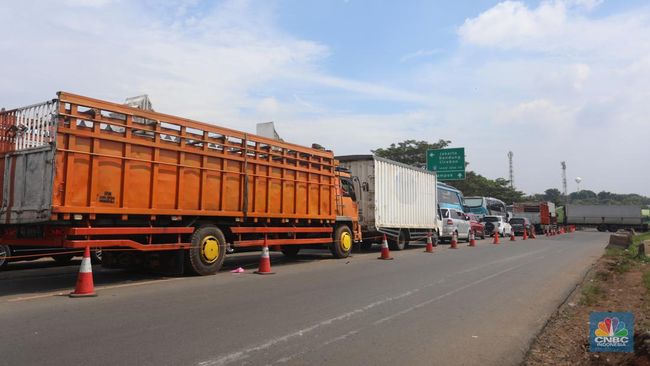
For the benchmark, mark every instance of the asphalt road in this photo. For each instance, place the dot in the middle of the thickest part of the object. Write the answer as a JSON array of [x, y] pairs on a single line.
[[468, 306]]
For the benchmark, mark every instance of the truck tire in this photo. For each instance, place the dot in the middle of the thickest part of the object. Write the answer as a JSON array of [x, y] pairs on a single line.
[[96, 256], [208, 251], [343, 240], [63, 258], [398, 243], [5, 253], [290, 251]]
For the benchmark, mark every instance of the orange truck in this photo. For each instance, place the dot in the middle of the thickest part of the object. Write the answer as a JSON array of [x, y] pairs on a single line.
[[156, 190]]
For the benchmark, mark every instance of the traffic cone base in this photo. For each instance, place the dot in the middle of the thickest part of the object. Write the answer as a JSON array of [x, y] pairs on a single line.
[[265, 263], [429, 248], [512, 236], [525, 236], [385, 252], [454, 241], [496, 238], [472, 239], [85, 286]]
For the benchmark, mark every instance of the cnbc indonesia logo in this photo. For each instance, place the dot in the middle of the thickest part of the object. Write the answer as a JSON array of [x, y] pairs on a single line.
[[611, 333]]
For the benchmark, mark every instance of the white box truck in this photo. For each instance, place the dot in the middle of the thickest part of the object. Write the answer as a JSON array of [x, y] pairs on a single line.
[[395, 199]]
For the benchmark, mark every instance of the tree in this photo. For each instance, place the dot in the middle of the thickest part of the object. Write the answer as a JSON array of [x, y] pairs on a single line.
[[554, 195], [410, 152]]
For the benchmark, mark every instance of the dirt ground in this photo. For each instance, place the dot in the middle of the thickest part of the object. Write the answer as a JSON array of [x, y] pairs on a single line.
[[615, 283]]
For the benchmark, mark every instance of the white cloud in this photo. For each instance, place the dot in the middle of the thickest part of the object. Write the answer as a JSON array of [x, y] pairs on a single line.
[[420, 53]]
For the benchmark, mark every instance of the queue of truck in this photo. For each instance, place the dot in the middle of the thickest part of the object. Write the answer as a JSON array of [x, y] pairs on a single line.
[[151, 190]]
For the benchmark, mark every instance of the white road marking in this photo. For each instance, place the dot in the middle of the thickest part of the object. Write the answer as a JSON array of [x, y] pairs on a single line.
[[243, 354]]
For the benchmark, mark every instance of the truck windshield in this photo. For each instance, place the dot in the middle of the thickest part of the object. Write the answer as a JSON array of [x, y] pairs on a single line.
[[490, 219], [516, 220]]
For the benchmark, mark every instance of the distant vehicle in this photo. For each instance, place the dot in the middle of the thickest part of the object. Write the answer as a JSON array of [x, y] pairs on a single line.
[[606, 217], [483, 206], [521, 224], [498, 224], [476, 225], [456, 221], [542, 215], [21, 253], [450, 197]]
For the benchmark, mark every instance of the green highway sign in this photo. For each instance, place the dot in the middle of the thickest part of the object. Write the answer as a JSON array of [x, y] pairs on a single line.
[[449, 164]]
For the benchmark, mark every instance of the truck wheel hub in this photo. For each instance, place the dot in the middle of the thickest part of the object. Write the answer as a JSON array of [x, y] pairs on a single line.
[[346, 241], [210, 249]]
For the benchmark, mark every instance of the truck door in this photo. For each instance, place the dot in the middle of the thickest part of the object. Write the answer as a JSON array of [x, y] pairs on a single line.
[[349, 198]]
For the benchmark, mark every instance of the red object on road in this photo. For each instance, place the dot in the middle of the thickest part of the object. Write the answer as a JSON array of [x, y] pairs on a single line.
[[454, 241], [385, 252], [429, 248], [85, 286], [496, 238], [512, 236], [525, 236], [265, 262]]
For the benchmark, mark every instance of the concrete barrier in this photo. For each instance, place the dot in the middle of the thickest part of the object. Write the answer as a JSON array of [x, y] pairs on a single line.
[[621, 239]]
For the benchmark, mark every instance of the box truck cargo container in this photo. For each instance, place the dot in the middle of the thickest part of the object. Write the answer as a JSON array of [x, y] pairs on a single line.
[[162, 190], [394, 199], [605, 217]]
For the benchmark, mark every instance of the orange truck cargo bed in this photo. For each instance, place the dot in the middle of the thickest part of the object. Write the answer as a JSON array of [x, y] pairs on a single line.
[[77, 157]]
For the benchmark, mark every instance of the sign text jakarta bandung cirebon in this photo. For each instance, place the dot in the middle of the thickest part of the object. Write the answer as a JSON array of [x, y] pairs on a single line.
[[449, 164]]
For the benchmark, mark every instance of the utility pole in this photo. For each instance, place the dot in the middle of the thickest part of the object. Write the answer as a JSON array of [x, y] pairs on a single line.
[[564, 192], [512, 170]]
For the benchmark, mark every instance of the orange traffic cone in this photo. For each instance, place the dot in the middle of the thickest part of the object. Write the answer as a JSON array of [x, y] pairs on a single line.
[[265, 262], [512, 236], [429, 248], [85, 286], [496, 237], [472, 239], [525, 236], [454, 241], [385, 252]]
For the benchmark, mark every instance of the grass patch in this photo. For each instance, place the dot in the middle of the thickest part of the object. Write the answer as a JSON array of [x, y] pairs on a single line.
[[646, 280], [590, 294], [637, 239], [602, 276]]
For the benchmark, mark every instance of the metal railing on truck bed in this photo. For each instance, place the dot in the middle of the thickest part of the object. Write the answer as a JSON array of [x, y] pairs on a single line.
[[28, 127]]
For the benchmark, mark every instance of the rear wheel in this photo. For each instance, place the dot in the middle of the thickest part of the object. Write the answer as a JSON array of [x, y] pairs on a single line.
[[290, 251], [5, 253], [208, 250], [96, 256], [398, 243], [342, 245]]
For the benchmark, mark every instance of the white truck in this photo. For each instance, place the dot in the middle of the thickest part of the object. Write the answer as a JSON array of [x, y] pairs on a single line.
[[395, 199]]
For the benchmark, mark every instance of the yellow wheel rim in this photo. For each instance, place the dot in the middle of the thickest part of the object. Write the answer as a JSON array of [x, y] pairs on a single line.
[[346, 241], [210, 249]]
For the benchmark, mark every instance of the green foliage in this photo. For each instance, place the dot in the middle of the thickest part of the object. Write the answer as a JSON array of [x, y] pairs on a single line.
[[590, 295], [410, 152]]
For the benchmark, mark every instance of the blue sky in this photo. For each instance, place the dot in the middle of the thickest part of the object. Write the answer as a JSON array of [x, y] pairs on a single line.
[[550, 80]]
